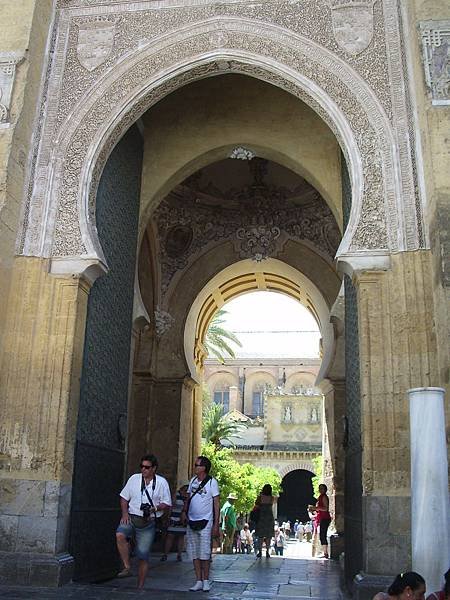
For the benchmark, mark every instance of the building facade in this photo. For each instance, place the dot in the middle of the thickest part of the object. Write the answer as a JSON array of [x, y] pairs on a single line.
[[159, 158]]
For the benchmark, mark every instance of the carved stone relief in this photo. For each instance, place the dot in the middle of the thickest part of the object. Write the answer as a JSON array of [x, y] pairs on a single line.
[[120, 66], [257, 218], [352, 24], [163, 322], [8, 63], [371, 234], [436, 56], [95, 41]]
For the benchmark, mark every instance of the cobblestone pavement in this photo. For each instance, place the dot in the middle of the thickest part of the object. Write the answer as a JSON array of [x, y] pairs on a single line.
[[294, 576]]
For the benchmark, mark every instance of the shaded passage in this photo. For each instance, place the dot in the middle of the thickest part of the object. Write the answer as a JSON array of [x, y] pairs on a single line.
[[234, 577]]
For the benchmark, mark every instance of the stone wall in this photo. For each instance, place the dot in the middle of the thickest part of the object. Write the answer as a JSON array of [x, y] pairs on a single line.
[[433, 149], [24, 29]]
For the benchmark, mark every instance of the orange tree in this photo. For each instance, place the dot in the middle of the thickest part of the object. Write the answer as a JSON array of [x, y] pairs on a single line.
[[244, 481]]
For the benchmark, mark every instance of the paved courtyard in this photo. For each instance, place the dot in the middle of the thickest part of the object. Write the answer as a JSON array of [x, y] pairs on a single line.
[[293, 577]]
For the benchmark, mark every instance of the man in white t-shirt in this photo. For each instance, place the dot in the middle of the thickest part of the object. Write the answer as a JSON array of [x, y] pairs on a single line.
[[201, 511], [144, 498]]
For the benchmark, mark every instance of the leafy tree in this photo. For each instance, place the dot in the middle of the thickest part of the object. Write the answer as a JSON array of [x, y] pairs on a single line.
[[217, 338], [218, 427], [245, 481], [317, 479]]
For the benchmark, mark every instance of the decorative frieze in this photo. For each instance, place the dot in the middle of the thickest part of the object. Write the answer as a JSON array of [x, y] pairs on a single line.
[[8, 64], [436, 56], [258, 218], [345, 50]]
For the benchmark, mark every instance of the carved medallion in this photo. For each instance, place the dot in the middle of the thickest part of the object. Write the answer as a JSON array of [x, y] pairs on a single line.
[[95, 41], [352, 24], [178, 240]]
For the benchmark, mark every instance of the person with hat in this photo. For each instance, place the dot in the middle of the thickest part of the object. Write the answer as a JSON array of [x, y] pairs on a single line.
[[228, 524]]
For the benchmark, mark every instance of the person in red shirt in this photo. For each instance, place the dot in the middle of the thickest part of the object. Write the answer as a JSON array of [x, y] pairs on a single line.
[[323, 517]]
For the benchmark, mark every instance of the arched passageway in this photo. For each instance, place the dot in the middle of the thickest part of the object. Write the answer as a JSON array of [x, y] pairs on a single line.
[[297, 494], [288, 85], [226, 228]]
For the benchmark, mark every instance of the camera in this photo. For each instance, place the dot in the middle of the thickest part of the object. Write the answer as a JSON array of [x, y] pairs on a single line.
[[147, 510]]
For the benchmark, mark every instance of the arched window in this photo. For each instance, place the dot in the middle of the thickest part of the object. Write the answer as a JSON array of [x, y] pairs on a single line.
[[258, 399], [222, 396]]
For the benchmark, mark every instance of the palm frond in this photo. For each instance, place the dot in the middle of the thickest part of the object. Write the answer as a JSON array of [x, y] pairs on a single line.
[[217, 338]]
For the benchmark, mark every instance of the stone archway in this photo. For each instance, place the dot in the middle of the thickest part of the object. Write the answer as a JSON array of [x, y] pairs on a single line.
[[85, 112], [297, 494], [84, 135], [304, 465]]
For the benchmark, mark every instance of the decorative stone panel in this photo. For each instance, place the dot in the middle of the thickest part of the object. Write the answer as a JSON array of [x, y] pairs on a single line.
[[436, 56], [8, 63], [357, 89]]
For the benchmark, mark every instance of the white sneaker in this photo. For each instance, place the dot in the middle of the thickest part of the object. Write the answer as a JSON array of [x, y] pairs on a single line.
[[196, 587], [206, 585]]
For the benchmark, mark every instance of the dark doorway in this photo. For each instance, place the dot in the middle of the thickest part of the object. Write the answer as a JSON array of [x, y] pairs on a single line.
[[297, 494]]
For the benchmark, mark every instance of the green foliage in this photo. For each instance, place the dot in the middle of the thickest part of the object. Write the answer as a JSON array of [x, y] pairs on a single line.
[[245, 481], [217, 338], [217, 426], [206, 395], [317, 479]]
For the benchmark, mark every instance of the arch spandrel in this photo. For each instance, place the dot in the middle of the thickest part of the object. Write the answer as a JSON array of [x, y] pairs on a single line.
[[304, 68]]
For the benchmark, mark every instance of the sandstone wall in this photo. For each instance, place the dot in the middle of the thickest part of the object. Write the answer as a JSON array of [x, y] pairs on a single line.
[[24, 28]]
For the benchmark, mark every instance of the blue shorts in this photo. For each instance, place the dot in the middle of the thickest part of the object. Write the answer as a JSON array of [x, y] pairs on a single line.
[[144, 538]]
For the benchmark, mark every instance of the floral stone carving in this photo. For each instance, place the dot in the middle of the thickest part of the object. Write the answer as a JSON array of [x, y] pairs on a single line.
[[163, 322]]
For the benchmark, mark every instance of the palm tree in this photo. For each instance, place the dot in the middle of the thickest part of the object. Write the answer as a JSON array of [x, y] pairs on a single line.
[[217, 427], [217, 337]]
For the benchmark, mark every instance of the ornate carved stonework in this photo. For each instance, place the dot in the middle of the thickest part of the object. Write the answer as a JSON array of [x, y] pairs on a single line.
[[257, 218], [291, 45], [258, 240], [436, 55], [95, 41], [352, 24], [163, 322], [8, 63], [242, 153]]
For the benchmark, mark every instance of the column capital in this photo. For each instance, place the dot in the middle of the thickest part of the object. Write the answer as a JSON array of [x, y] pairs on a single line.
[[353, 264], [82, 267]]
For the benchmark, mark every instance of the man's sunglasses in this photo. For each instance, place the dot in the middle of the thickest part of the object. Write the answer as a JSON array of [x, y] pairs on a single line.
[[198, 465], [147, 466]]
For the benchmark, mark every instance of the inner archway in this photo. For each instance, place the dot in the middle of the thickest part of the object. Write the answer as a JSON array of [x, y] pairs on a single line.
[[296, 496]]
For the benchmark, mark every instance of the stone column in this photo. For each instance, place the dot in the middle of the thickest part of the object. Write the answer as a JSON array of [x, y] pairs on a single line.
[[39, 378], [197, 428], [170, 426], [429, 485], [234, 398], [397, 352], [334, 456]]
